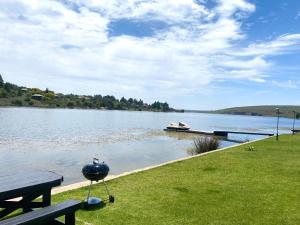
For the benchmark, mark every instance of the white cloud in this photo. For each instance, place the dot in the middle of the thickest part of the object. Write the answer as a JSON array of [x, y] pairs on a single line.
[[257, 62], [286, 84], [281, 45], [229, 7], [168, 10], [67, 47]]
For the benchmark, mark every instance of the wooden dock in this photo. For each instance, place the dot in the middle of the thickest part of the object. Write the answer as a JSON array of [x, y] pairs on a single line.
[[296, 131], [225, 133], [221, 133], [190, 131]]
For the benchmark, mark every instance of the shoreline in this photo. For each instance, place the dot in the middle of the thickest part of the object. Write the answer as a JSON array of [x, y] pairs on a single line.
[[86, 183], [96, 109]]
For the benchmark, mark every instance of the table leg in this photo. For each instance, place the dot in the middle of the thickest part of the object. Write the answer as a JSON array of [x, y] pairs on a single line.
[[70, 219], [47, 198], [26, 207]]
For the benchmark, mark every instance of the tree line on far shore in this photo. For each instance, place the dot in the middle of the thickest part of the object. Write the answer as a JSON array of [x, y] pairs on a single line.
[[13, 95]]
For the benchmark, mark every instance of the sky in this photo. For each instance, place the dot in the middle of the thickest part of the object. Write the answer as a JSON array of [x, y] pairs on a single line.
[[193, 54]]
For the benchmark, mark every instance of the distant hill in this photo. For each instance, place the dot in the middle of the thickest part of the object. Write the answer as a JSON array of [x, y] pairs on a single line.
[[263, 110]]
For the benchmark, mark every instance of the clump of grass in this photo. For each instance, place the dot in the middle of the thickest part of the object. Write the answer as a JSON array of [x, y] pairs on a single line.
[[250, 148], [204, 144]]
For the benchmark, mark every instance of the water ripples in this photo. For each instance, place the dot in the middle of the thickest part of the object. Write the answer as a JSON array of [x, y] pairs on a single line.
[[124, 135]]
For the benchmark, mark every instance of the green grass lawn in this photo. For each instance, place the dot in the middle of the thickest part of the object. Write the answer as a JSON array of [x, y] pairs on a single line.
[[230, 187]]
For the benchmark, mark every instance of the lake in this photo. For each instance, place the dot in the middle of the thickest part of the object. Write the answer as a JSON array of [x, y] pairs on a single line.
[[63, 140]]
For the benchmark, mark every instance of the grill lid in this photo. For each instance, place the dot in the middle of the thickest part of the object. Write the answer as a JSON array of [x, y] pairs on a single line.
[[95, 171]]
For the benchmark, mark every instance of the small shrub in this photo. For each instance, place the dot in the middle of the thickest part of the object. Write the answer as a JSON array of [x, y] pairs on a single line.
[[205, 144], [27, 99], [3, 93], [17, 102], [50, 95], [71, 104], [250, 148]]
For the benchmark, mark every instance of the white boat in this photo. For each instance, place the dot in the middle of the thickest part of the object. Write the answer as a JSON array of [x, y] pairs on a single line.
[[178, 126]]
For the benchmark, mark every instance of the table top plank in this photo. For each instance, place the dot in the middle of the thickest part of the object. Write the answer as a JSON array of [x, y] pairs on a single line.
[[15, 184]]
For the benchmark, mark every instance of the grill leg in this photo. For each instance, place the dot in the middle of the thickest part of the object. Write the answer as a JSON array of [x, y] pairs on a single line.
[[111, 198], [106, 188], [89, 193]]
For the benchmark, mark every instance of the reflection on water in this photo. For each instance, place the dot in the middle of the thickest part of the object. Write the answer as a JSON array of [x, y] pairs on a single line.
[[63, 140]]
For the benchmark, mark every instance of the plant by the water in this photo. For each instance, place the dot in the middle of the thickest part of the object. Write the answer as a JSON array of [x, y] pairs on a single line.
[[205, 144]]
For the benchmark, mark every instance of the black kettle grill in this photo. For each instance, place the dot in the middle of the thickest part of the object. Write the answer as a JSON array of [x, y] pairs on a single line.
[[95, 172]]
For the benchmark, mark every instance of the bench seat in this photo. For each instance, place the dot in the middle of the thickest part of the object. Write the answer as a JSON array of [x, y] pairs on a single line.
[[47, 215]]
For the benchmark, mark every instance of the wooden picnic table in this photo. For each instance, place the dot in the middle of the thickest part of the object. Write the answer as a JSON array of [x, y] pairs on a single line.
[[27, 186]]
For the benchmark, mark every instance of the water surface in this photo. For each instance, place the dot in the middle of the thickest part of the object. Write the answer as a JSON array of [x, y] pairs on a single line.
[[63, 140]]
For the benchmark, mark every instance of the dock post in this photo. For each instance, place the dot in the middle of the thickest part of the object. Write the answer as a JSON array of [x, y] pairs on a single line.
[[277, 124], [221, 133]]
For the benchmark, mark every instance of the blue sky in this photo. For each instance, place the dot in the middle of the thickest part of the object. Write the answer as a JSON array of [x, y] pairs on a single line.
[[194, 54]]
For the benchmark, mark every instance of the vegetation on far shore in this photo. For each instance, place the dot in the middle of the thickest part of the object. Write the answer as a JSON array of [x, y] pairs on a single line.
[[13, 95], [236, 186]]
